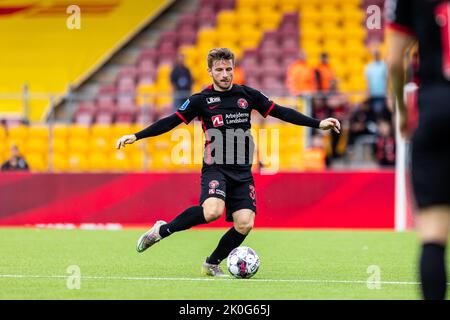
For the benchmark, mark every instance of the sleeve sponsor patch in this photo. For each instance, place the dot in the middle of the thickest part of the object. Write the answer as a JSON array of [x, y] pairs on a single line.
[[184, 105]]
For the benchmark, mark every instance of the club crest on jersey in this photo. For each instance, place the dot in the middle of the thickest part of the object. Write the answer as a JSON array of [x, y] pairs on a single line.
[[184, 105], [217, 120], [212, 100], [213, 184], [242, 103]]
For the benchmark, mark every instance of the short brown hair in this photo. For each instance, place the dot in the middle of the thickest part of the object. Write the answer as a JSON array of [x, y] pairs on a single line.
[[219, 54]]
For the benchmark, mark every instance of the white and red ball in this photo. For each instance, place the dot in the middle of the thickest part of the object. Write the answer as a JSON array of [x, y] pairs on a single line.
[[243, 262]]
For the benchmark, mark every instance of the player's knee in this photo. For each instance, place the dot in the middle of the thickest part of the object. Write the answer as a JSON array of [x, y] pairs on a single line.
[[213, 210], [244, 224]]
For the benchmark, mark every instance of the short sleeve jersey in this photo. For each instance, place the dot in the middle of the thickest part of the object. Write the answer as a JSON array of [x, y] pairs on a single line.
[[429, 22], [226, 121]]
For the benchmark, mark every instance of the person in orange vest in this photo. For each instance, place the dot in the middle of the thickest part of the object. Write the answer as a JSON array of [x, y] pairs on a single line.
[[324, 75], [239, 74], [300, 77]]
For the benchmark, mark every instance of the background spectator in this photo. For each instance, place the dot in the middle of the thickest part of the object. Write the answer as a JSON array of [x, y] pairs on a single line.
[[239, 75], [362, 122], [384, 147], [181, 80], [300, 77], [376, 76], [338, 107], [16, 162], [324, 75]]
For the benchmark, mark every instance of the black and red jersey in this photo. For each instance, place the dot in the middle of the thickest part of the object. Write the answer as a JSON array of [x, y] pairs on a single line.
[[429, 22], [226, 115]]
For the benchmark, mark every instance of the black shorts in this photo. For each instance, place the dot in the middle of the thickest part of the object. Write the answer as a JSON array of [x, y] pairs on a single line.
[[235, 186], [430, 164]]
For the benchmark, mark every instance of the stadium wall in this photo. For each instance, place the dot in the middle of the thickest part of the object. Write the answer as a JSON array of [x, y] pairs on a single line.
[[285, 200]]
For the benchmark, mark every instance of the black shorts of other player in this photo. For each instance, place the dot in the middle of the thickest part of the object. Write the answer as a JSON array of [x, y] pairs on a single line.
[[431, 148]]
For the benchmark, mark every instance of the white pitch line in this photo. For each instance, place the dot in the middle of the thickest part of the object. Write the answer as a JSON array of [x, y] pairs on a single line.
[[20, 276]]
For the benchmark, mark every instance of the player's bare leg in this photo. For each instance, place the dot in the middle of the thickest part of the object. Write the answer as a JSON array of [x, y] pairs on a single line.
[[432, 226], [243, 224]]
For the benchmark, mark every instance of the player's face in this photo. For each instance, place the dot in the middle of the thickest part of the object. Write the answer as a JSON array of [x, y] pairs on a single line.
[[222, 74]]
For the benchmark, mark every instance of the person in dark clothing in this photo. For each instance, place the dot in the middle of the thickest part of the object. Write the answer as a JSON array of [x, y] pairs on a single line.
[[181, 80], [384, 147], [16, 162], [426, 23]]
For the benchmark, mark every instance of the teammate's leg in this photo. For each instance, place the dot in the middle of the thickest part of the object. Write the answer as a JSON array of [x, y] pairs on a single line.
[[432, 224], [243, 224]]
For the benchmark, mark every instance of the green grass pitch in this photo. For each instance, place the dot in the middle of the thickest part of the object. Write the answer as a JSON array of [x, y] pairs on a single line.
[[295, 264]]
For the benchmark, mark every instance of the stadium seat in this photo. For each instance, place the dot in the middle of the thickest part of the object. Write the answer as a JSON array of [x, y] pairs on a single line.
[[36, 161], [18, 132], [77, 162], [98, 161], [37, 145]]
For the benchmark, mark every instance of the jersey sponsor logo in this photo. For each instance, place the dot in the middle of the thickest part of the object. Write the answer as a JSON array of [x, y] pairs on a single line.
[[242, 103], [213, 107], [217, 120], [213, 184], [184, 105], [235, 118], [212, 100]]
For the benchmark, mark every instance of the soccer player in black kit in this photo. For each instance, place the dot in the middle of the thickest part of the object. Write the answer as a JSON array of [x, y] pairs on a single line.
[[224, 109], [427, 22]]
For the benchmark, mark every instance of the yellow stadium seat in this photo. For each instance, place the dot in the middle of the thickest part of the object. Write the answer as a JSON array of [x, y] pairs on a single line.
[[246, 4], [77, 162], [100, 144], [37, 162], [314, 159], [247, 16], [98, 161], [121, 129], [137, 161], [269, 20], [101, 131], [59, 145], [3, 133], [288, 6], [79, 131], [60, 162], [226, 17], [18, 132], [37, 145], [77, 145], [207, 35], [146, 94], [120, 161], [353, 14], [39, 131], [60, 131]]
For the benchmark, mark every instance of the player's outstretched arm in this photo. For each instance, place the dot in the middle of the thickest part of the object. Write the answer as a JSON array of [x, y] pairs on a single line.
[[295, 117], [159, 127]]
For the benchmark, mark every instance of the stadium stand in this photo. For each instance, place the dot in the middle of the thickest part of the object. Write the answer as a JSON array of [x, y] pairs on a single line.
[[48, 57], [266, 36]]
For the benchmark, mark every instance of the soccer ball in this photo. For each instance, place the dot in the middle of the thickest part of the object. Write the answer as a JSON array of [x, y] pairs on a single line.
[[243, 262]]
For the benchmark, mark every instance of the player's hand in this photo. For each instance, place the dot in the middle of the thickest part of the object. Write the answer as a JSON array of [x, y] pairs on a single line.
[[330, 123], [127, 139]]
